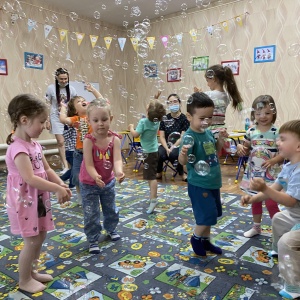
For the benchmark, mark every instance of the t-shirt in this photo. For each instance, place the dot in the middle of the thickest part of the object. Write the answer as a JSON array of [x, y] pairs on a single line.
[[221, 101], [148, 134], [174, 125], [83, 127], [204, 149]]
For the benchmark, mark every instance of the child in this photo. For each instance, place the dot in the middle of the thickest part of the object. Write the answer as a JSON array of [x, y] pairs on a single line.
[[29, 181], [286, 191], [204, 191], [223, 90], [102, 154], [261, 139], [147, 128], [75, 115]]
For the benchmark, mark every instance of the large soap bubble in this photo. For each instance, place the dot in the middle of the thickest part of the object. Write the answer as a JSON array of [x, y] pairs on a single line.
[[202, 168]]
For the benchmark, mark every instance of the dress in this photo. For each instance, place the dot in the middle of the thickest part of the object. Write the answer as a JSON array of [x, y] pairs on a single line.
[[56, 126], [28, 209], [263, 145]]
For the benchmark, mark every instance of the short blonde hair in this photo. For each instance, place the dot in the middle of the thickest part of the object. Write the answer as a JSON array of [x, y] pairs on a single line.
[[98, 103]]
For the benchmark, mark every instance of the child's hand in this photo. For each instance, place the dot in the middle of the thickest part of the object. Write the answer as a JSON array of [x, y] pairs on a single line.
[[245, 200], [88, 87], [130, 126], [156, 96], [268, 164], [63, 195], [120, 177], [223, 134], [99, 182], [67, 188], [197, 90], [184, 150], [257, 184], [242, 150]]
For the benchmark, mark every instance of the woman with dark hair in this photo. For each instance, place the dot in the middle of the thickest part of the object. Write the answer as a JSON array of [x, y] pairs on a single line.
[[56, 93], [176, 121]]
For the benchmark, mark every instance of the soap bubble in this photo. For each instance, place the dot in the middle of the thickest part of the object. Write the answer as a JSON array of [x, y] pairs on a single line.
[[73, 16], [222, 49], [174, 137], [188, 141], [55, 161], [294, 50], [202, 168], [107, 164], [191, 158], [97, 15], [250, 84], [238, 54]]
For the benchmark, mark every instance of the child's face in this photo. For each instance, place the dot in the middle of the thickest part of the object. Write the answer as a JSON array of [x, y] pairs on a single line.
[[80, 106], [288, 144], [264, 116], [201, 118], [99, 119], [34, 127]]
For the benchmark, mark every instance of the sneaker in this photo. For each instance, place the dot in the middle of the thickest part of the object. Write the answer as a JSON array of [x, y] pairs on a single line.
[[63, 171], [94, 248], [198, 246], [255, 230], [288, 295], [273, 254], [114, 236]]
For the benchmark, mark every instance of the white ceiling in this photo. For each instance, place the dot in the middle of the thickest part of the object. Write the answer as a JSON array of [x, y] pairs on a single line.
[[117, 11]]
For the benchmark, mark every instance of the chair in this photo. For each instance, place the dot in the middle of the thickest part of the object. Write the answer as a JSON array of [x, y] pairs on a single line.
[[242, 162], [134, 145], [168, 164]]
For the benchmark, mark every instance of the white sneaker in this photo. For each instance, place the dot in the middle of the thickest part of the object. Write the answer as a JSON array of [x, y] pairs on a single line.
[[63, 171], [255, 230]]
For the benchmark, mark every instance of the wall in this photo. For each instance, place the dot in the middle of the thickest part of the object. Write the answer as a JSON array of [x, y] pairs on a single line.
[[268, 22]]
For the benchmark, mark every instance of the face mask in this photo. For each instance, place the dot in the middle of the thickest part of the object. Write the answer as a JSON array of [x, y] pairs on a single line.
[[63, 85], [174, 108]]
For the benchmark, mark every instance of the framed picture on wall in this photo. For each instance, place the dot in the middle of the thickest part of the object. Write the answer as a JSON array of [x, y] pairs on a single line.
[[174, 75], [150, 70], [264, 54], [234, 65], [33, 60], [200, 63], [3, 66]]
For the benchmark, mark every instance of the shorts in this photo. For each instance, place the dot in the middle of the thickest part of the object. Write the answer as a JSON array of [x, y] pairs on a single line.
[[206, 204], [150, 166]]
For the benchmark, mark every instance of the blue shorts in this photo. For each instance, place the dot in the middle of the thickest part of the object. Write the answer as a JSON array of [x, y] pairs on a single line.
[[206, 204]]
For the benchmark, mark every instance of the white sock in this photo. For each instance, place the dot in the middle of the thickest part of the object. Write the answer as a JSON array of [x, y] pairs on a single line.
[[153, 203]]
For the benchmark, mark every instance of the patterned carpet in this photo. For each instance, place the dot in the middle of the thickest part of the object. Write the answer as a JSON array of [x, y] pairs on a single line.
[[153, 259]]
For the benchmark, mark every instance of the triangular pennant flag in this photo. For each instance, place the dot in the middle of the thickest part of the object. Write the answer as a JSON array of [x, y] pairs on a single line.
[[62, 34], [193, 33], [134, 42], [179, 38], [79, 37], [164, 39], [31, 24], [47, 29], [225, 25], [122, 42], [107, 41], [210, 30], [94, 39], [239, 20], [151, 40]]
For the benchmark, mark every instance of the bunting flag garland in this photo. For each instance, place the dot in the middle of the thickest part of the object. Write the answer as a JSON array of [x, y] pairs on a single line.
[[193, 33], [225, 26], [151, 40], [134, 42], [79, 37], [165, 39], [47, 29], [107, 41], [62, 34], [31, 24], [210, 30], [239, 20], [122, 42], [93, 39], [179, 38]]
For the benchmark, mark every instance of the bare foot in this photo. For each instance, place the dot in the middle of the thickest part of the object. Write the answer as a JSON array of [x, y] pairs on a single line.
[[31, 286], [41, 277]]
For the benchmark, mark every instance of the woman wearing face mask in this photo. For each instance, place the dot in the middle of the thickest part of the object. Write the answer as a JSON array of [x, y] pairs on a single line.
[[56, 93], [176, 122]]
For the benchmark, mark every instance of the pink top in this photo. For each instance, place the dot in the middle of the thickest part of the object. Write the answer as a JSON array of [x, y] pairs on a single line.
[[103, 162], [28, 209]]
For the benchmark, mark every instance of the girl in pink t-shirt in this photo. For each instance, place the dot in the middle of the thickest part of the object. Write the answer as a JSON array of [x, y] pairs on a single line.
[[29, 181], [101, 154]]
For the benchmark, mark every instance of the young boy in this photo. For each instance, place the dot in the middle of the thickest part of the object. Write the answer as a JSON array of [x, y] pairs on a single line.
[[286, 191], [204, 191], [147, 128]]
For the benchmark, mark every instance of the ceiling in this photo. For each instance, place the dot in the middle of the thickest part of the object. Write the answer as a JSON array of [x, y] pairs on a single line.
[[117, 12]]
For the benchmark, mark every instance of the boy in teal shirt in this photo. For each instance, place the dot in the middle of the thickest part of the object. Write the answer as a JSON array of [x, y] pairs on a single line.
[[147, 129], [203, 190]]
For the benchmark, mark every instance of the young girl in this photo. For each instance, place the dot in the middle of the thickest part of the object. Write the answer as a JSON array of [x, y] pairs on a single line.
[[261, 140], [102, 154], [29, 181], [223, 90], [74, 114]]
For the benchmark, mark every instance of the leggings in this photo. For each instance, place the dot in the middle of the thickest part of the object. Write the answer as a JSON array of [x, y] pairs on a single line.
[[271, 205]]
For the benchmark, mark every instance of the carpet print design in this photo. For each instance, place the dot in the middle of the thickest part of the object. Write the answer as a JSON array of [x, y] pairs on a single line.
[[153, 260]]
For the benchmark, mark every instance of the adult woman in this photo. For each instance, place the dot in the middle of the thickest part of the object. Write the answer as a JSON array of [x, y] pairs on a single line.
[[176, 122], [56, 93]]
